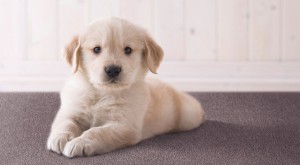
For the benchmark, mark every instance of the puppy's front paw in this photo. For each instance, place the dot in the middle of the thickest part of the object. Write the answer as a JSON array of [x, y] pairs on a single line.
[[78, 147], [57, 142]]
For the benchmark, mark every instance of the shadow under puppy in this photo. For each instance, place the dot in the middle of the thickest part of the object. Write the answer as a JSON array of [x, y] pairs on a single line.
[[108, 103]]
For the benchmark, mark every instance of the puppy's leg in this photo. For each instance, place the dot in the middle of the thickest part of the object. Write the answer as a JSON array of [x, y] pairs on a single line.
[[101, 139], [63, 130], [191, 113]]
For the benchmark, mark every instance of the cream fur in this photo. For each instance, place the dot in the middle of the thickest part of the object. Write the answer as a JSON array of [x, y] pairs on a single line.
[[97, 116]]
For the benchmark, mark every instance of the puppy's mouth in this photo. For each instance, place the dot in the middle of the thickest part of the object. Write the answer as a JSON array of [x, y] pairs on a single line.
[[112, 81], [111, 84]]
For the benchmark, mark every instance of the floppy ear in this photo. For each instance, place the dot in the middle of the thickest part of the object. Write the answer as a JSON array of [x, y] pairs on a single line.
[[72, 52], [153, 54]]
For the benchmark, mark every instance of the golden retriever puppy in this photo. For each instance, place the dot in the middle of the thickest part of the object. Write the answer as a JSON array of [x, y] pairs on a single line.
[[108, 103]]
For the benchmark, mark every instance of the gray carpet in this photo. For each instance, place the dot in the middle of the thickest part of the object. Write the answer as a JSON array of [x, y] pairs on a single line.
[[242, 128]]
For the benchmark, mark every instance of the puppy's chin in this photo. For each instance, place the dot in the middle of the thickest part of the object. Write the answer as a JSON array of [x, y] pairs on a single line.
[[111, 85]]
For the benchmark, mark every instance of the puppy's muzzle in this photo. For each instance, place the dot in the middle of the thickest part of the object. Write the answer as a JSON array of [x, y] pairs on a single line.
[[113, 71]]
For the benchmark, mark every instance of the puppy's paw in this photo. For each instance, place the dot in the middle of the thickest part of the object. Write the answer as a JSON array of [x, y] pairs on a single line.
[[57, 142], [79, 147]]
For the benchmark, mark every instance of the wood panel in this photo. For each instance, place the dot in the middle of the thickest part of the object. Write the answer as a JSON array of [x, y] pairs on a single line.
[[291, 30], [103, 8], [200, 31], [169, 28], [265, 30], [12, 30], [72, 19], [42, 30], [232, 30], [139, 12]]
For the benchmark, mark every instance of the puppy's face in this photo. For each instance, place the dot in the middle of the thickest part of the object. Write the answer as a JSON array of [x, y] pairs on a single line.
[[113, 54]]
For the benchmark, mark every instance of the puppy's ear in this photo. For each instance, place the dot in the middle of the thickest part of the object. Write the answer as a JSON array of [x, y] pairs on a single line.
[[72, 53], [153, 54]]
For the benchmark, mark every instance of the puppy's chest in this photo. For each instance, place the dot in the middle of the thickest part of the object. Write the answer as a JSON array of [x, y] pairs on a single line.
[[107, 109]]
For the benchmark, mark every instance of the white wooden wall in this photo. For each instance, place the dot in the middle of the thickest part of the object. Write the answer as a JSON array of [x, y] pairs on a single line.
[[210, 45]]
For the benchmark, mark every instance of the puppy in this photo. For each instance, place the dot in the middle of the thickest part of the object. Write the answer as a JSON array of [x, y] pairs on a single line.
[[108, 103]]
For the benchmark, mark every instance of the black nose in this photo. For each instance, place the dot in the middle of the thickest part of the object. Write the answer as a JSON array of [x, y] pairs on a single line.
[[113, 71]]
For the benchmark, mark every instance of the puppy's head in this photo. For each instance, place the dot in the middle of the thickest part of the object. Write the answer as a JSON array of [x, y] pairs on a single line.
[[113, 53]]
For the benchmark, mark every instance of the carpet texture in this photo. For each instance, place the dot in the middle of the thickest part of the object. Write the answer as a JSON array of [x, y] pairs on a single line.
[[242, 128]]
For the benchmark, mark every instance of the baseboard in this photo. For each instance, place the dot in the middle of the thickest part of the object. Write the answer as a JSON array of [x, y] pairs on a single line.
[[194, 85], [187, 76]]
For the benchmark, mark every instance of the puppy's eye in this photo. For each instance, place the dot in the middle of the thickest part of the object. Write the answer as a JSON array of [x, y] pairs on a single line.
[[97, 49], [127, 50]]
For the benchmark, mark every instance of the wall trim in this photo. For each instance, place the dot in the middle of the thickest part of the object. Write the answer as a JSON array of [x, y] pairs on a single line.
[[188, 76]]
